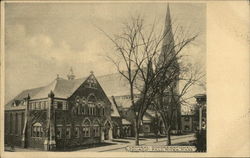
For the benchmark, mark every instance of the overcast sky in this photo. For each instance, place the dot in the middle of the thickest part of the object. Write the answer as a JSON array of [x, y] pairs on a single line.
[[46, 39]]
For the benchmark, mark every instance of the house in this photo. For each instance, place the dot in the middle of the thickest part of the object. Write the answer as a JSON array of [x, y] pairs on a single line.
[[65, 113]]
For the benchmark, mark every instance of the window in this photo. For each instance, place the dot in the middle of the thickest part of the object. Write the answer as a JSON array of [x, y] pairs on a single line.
[[79, 111], [77, 132], [55, 104], [16, 124], [30, 106], [68, 133], [86, 131], [65, 106], [42, 105], [103, 111], [92, 83], [45, 105], [94, 110], [59, 105], [86, 128], [90, 110], [96, 129], [37, 130], [22, 123], [11, 123], [91, 98], [59, 132], [83, 110], [38, 105]]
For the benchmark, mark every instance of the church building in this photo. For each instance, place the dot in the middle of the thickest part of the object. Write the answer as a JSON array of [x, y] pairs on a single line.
[[62, 114]]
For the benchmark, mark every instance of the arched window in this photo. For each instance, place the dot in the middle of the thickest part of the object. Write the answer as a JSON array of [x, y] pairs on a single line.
[[91, 98], [59, 131], [86, 128], [37, 130], [77, 131], [96, 128], [68, 131]]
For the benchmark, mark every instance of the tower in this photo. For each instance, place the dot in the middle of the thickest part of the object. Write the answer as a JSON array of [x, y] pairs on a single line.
[[168, 58]]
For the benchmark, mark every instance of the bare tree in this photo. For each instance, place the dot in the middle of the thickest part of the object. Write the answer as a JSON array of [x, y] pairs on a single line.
[[138, 58], [170, 99]]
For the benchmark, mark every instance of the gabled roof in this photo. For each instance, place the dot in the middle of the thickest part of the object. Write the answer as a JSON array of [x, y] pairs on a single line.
[[61, 88], [114, 110]]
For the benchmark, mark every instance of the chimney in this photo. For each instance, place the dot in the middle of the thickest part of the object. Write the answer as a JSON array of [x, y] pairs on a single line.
[[71, 75]]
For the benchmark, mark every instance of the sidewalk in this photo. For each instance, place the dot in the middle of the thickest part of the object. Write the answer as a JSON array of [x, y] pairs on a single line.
[[151, 141]]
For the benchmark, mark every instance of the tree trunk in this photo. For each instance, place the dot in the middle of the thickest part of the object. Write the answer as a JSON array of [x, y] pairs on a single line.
[[168, 137], [136, 132]]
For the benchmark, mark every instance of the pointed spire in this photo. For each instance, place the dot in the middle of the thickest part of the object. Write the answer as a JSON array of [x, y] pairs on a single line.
[[168, 38], [71, 75]]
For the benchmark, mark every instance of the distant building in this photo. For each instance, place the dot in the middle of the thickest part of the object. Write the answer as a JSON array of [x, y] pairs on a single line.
[[196, 119]]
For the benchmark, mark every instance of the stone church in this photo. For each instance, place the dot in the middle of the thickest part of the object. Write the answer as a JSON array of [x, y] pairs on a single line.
[[64, 113]]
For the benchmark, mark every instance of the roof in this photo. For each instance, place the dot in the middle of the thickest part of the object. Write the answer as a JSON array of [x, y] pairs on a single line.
[[61, 88], [148, 116], [114, 84], [114, 112], [124, 103]]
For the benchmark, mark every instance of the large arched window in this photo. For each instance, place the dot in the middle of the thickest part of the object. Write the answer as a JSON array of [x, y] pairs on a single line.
[[86, 128], [37, 130], [96, 128]]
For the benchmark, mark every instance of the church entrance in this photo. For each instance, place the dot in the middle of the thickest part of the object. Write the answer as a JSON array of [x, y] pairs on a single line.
[[107, 131]]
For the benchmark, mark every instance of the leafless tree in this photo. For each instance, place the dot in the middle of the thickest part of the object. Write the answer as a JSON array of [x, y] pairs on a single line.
[[169, 100], [138, 58]]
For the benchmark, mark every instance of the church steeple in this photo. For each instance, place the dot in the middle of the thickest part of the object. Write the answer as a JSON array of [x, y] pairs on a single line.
[[71, 75], [168, 39]]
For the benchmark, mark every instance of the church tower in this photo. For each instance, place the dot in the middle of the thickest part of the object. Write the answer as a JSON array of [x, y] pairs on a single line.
[[168, 55]]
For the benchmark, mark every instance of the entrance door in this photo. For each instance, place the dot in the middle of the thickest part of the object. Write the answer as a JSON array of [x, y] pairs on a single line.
[[107, 131], [106, 134]]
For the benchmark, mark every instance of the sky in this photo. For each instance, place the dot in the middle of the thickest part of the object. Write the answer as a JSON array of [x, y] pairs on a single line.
[[46, 39]]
